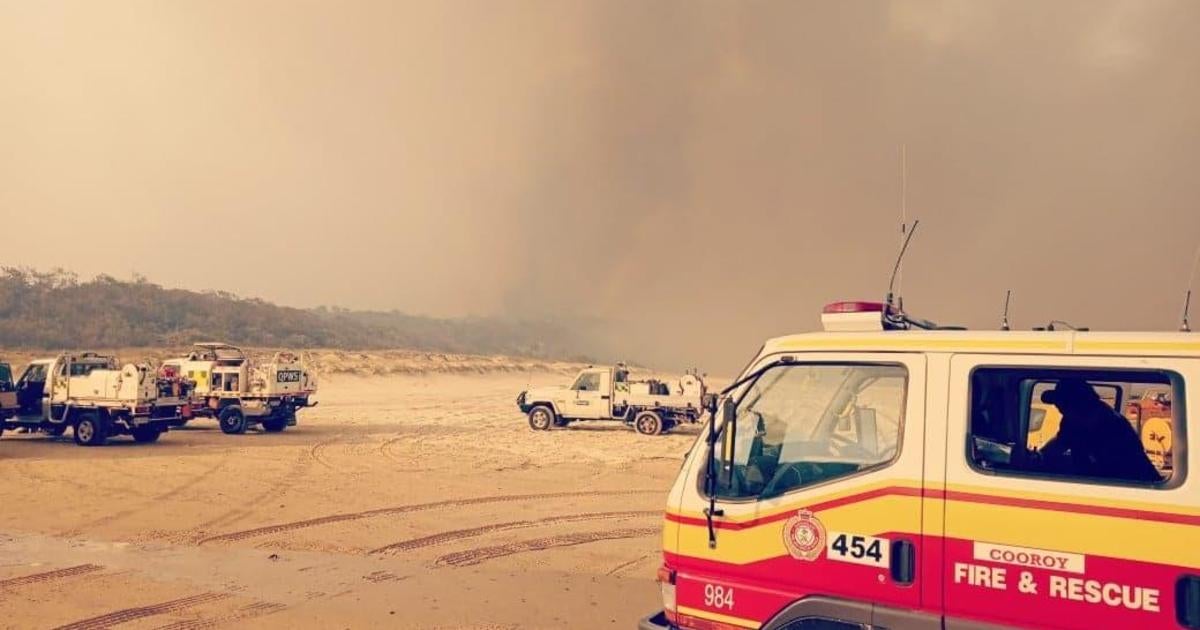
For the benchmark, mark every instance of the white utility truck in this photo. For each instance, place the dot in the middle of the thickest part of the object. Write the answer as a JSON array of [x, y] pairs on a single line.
[[240, 392], [606, 393], [98, 398]]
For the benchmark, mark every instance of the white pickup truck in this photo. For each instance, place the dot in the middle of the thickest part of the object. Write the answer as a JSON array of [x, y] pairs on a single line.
[[98, 398], [240, 392], [606, 393]]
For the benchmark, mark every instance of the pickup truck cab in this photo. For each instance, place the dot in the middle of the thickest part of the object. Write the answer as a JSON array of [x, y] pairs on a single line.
[[651, 406], [97, 398]]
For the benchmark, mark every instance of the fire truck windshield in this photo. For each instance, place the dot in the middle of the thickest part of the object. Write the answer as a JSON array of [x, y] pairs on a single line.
[[798, 425]]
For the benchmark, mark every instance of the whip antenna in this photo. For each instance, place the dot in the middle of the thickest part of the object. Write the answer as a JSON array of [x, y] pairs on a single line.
[[1187, 302], [1004, 322], [1187, 299], [899, 260], [903, 205]]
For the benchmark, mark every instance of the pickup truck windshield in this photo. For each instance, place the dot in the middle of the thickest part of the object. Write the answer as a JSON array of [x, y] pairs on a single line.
[[589, 382], [798, 425]]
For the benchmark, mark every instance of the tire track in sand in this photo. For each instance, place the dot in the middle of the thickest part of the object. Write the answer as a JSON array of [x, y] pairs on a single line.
[[245, 508], [141, 612], [245, 613], [50, 576], [316, 449], [150, 503], [403, 509], [483, 554], [463, 534]]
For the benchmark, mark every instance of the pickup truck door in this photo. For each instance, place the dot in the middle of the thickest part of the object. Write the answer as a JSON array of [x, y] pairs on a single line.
[[592, 395], [31, 390]]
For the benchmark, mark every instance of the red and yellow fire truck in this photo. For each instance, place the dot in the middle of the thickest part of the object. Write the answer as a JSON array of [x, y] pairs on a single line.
[[881, 474]]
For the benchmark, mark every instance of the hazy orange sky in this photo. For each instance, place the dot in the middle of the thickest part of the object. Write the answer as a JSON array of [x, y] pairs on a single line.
[[706, 173]]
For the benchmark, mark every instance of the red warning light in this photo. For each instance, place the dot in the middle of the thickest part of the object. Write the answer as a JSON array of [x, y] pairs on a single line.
[[854, 307]]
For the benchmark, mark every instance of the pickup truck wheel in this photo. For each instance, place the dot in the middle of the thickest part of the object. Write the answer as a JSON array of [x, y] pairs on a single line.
[[57, 430], [233, 420], [90, 430], [541, 418], [146, 434], [648, 423]]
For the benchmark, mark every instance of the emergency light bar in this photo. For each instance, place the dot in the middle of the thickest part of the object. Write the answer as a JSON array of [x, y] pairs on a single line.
[[854, 307], [862, 316], [853, 316]]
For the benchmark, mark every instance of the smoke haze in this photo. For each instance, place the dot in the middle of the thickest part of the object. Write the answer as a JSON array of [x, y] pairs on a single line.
[[700, 174]]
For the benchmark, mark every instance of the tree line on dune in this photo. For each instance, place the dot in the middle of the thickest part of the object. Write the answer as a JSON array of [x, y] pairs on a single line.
[[55, 309]]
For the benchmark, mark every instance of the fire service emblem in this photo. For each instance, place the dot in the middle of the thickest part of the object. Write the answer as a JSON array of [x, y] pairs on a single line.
[[804, 536]]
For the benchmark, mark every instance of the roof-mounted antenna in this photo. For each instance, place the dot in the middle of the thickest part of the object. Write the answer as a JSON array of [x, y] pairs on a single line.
[[903, 215], [1187, 300], [1004, 323], [899, 259], [1187, 303]]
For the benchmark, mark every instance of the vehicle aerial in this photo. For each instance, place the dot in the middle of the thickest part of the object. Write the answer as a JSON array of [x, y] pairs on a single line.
[[606, 393], [98, 398], [8, 395], [240, 392], [881, 474]]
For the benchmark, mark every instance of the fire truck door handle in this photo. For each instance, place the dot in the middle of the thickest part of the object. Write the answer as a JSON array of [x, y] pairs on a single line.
[[1187, 601], [605, 397], [904, 561]]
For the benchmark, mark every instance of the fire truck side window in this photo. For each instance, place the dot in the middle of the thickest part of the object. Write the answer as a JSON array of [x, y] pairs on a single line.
[[1100, 426], [800, 425]]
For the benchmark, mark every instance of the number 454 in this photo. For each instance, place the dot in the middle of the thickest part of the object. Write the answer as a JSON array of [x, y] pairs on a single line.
[[858, 549]]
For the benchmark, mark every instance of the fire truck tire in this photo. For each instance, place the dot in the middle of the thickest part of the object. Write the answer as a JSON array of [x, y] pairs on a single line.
[[233, 420], [275, 424], [541, 418], [90, 429], [648, 423], [146, 435]]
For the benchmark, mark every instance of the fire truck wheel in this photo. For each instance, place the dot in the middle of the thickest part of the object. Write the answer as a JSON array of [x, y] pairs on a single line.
[[146, 434], [541, 418], [275, 425], [90, 429], [233, 420], [648, 423]]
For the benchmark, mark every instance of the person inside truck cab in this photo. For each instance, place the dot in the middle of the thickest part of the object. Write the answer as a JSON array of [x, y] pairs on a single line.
[[1093, 440]]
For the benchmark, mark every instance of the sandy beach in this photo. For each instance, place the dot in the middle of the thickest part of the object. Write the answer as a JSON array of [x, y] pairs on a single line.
[[402, 500]]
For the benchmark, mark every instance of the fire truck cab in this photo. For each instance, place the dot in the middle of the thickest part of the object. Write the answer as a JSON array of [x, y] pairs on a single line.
[[882, 474]]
